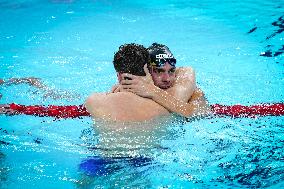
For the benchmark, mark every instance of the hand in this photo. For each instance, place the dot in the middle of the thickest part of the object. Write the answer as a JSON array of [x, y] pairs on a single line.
[[5, 109], [33, 81], [115, 88], [140, 85]]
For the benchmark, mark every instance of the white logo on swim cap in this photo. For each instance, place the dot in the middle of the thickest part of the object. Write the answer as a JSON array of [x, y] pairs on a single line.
[[160, 56]]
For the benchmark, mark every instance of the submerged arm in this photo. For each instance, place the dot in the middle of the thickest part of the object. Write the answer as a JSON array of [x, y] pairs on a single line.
[[27, 80], [37, 83]]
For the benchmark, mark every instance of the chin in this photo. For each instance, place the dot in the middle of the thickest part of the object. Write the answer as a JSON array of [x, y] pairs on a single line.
[[165, 87]]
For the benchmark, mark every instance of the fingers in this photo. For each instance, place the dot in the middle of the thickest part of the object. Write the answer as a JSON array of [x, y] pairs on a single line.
[[127, 75], [114, 88], [148, 77], [127, 82], [124, 87], [146, 70], [129, 90]]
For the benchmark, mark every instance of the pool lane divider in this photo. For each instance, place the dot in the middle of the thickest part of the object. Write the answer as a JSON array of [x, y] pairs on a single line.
[[73, 111]]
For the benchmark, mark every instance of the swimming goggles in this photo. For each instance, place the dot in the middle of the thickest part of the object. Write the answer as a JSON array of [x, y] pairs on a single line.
[[160, 62]]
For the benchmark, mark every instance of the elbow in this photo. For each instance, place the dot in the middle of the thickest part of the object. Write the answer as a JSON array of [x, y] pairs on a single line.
[[188, 114], [187, 111], [197, 109]]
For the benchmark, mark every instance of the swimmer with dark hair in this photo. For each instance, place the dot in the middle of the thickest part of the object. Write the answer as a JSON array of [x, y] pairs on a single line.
[[173, 88], [144, 94]]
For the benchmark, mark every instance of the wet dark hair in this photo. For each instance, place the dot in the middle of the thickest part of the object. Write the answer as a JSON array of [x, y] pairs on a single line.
[[156, 49], [131, 58], [158, 46]]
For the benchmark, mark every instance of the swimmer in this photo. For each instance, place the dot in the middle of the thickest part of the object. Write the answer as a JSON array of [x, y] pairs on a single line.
[[171, 87], [32, 81], [37, 83], [143, 95], [127, 102]]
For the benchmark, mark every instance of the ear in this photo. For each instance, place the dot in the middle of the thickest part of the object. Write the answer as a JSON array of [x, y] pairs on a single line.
[[150, 69], [119, 77]]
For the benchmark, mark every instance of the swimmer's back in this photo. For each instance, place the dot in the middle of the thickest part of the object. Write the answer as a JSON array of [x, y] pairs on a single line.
[[123, 106]]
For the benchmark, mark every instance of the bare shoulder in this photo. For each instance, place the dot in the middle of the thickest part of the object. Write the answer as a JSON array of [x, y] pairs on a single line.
[[95, 97], [94, 100]]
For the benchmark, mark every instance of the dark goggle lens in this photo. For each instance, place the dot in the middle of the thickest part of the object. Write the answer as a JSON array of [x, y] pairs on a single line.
[[171, 61]]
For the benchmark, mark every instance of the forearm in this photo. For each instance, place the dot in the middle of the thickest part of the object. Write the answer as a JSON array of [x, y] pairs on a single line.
[[173, 104], [182, 93], [27, 80]]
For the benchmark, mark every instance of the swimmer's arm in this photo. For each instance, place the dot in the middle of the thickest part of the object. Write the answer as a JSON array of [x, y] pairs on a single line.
[[172, 103], [197, 105], [174, 99], [27, 80], [201, 106], [185, 84], [32, 81], [36, 82], [90, 103], [194, 104]]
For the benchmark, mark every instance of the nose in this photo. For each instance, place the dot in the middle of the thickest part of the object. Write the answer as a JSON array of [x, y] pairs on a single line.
[[165, 77]]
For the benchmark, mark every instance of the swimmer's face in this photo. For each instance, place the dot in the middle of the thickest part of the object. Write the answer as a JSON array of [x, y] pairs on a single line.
[[163, 76]]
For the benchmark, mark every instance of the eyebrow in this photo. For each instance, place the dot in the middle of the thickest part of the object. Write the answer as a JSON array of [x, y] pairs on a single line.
[[159, 69]]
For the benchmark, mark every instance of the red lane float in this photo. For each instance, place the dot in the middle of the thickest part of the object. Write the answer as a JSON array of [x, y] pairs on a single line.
[[276, 109], [74, 111], [51, 110]]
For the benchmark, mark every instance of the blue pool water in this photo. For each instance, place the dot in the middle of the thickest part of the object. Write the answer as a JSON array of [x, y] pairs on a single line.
[[235, 47]]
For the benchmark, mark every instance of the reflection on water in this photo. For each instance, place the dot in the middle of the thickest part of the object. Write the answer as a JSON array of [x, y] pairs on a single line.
[[131, 139], [125, 152], [203, 153]]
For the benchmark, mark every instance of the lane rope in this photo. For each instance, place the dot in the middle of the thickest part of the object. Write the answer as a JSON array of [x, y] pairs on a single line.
[[73, 111]]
